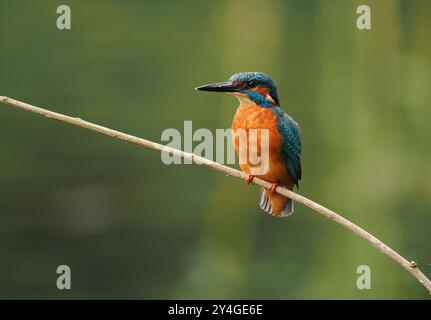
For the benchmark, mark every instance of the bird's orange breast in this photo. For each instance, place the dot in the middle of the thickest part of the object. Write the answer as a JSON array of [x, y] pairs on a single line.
[[252, 116]]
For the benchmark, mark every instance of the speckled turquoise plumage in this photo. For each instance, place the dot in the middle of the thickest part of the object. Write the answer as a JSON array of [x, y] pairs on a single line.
[[292, 143]]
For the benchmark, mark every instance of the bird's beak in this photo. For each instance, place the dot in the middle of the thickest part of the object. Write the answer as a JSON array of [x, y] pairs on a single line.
[[219, 87]]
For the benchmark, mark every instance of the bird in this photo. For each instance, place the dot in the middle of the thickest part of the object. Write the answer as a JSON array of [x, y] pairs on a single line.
[[259, 108]]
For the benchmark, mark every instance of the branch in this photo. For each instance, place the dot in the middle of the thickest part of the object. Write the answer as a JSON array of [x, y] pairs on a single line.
[[410, 266]]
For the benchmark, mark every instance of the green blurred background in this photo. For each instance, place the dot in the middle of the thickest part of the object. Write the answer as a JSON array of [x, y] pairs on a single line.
[[132, 227]]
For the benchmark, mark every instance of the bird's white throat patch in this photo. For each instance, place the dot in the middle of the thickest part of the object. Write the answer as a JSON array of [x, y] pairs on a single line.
[[242, 97]]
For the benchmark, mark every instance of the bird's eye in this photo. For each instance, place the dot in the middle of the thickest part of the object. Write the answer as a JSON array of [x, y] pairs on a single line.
[[251, 83]]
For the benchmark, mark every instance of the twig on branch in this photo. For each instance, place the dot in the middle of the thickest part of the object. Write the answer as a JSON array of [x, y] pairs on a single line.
[[410, 266]]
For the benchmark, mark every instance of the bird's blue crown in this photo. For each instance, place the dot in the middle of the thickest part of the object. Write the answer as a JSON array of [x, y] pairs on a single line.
[[257, 79]]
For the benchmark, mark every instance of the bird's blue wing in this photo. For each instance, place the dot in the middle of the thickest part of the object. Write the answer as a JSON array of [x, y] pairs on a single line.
[[292, 143]]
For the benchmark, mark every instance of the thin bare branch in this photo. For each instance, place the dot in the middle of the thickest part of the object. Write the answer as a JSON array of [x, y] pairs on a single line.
[[410, 266]]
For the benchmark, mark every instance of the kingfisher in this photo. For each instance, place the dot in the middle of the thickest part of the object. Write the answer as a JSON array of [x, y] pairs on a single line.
[[259, 108]]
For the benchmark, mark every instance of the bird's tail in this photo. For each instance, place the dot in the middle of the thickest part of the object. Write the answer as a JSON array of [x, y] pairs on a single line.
[[275, 204]]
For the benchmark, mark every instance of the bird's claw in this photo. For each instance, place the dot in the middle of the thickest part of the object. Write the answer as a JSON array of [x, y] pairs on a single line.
[[273, 187], [249, 178]]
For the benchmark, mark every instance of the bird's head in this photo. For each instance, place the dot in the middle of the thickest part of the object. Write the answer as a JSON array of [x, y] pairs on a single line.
[[255, 86]]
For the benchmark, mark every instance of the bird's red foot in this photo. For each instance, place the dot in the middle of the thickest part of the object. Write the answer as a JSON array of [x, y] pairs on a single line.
[[249, 178], [273, 187]]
